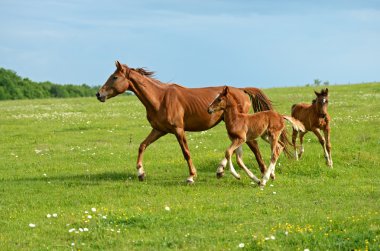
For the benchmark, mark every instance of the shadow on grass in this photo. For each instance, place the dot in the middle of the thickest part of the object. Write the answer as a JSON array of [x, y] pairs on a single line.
[[97, 177]]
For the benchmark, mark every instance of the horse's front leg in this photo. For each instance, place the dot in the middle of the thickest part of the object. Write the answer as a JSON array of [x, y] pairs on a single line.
[[153, 136], [223, 163], [236, 143], [181, 138], [328, 146], [322, 141]]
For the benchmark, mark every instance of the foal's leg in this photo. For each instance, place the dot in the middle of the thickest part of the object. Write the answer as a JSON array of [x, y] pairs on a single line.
[[323, 143], [239, 153], [153, 136], [181, 138], [223, 163], [273, 139], [301, 144], [234, 145], [294, 142], [328, 146], [253, 145]]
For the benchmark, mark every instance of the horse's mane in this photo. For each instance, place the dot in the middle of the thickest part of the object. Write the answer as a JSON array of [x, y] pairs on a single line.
[[144, 72]]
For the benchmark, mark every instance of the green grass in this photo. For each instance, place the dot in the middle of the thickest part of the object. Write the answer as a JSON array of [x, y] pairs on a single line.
[[69, 156]]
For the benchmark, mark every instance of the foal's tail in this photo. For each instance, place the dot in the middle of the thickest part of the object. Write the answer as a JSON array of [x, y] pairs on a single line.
[[296, 124], [284, 140], [260, 102]]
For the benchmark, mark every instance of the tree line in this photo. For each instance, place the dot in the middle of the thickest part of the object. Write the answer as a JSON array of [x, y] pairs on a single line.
[[13, 86]]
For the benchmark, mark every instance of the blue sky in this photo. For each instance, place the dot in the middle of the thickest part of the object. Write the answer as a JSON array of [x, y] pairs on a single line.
[[195, 43]]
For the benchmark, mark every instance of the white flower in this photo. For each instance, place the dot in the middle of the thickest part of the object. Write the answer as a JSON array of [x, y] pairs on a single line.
[[86, 212], [32, 225], [93, 209], [55, 215], [48, 215], [85, 229], [45, 175], [272, 237], [286, 232], [167, 208], [241, 245], [89, 216], [104, 217], [306, 249], [274, 192], [71, 230]]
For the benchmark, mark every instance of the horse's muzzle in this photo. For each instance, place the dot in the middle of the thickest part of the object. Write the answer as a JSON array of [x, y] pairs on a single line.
[[210, 110], [100, 97]]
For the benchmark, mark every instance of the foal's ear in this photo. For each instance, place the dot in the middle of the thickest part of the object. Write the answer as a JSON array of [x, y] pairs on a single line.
[[326, 91], [317, 93]]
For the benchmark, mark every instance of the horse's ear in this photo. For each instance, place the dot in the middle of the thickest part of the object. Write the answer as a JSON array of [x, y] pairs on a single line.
[[118, 66], [225, 90], [326, 91], [316, 93]]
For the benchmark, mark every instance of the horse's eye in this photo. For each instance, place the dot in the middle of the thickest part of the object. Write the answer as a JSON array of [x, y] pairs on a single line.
[[114, 77], [219, 99]]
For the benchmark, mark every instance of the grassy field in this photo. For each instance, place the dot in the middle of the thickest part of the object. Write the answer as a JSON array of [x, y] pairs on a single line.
[[68, 181]]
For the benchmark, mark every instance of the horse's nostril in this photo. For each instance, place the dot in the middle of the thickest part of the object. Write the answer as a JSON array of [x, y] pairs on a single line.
[[97, 94]]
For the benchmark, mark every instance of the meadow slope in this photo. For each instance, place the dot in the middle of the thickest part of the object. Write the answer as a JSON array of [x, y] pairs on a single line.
[[68, 181]]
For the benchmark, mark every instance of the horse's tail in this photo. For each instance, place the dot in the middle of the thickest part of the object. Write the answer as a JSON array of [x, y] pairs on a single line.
[[296, 124], [284, 140], [260, 102], [286, 144]]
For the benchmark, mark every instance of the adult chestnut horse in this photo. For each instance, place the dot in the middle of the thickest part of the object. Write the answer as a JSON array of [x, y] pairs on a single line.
[[174, 109]]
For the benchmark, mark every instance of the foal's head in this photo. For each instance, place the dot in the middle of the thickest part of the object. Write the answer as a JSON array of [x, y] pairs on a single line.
[[220, 102], [321, 102], [116, 84]]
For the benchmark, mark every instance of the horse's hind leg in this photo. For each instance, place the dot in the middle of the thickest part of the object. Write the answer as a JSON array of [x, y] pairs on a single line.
[[302, 134], [253, 145], [273, 139], [294, 142], [153, 136], [181, 138], [239, 160]]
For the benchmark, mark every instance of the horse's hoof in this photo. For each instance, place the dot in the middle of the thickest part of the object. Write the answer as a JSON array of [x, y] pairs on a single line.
[[190, 180], [141, 177], [220, 175], [273, 176]]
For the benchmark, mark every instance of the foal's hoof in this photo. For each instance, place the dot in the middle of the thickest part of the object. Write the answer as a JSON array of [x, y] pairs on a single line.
[[273, 176], [141, 177], [220, 175], [190, 180]]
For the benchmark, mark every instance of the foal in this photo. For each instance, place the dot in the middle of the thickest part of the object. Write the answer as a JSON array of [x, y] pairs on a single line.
[[315, 118], [248, 127]]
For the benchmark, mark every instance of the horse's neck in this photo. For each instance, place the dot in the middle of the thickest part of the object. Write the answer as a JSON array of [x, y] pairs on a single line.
[[148, 91], [231, 112]]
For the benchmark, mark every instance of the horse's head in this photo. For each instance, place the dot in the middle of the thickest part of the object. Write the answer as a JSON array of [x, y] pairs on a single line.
[[116, 84], [220, 102], [321, 102]]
